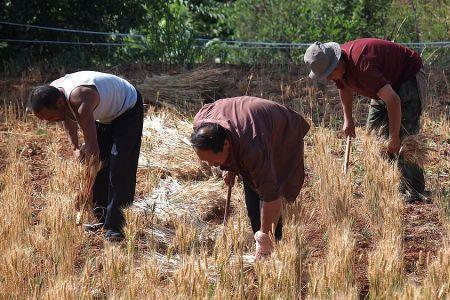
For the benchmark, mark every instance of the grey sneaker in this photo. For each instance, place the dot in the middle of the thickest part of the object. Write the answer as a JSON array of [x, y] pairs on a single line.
[[92, 227], [114, 236]]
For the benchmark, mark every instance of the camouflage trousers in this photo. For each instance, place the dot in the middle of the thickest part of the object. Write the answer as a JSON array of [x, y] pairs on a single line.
[[412, 180]]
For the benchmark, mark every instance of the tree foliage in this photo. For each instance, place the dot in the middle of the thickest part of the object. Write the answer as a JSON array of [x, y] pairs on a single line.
[[307, 21], [109, 16], [172, 27]]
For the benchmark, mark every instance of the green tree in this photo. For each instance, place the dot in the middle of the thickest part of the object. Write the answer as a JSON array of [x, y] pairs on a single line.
[[110, 16], [306, 21]]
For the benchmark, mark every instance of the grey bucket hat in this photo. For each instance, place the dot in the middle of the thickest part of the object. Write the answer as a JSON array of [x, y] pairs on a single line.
[[322, 59]]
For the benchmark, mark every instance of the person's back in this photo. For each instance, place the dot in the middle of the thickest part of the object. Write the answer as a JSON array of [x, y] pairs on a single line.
[[253, 117], [261, 129], [372, 63], [116, 94]]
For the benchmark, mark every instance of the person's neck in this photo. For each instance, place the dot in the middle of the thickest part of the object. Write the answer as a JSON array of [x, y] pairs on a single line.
[[66, 103], [68, 112]]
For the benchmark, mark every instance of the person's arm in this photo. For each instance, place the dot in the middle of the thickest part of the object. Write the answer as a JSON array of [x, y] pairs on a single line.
[[85, 99], [260, 167], [270, 214], [392, 101], [71, 129], [346, 96]]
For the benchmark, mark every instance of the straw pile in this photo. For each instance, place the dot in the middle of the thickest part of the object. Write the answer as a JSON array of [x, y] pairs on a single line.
[[166, 147], [181, 89], [200, 201], [162, 236], [200, 205], [171, 265]]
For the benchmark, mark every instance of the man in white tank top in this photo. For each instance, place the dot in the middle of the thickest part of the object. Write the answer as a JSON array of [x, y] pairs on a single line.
[[109, 112]]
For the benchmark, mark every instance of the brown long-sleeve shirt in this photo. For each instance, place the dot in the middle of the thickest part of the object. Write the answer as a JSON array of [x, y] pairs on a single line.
[[266, 143]]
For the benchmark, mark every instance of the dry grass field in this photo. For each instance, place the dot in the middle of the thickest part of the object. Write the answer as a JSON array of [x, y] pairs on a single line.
[[345, 237]]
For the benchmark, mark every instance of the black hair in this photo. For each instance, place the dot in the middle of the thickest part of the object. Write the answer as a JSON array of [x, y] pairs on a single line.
[[43, 96], [209, 136]]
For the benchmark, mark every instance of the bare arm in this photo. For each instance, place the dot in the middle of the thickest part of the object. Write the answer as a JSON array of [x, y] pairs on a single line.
[[270, 214], [346, 96], [85, 99], [71, 129], [392, 101]]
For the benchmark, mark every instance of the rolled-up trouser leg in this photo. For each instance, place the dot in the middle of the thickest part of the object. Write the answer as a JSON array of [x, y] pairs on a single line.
[[253, 203]]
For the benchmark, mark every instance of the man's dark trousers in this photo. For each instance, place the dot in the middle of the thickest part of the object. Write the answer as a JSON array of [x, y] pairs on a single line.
[[114, 187], [254, 203], [412, 180]]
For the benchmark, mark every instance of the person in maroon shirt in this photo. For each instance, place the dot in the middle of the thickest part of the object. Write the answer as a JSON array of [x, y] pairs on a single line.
[[388, 73], [263, 142]]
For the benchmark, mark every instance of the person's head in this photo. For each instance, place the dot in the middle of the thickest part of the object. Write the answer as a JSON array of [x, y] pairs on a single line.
[[324, 61], [47, 103], [210, 142]]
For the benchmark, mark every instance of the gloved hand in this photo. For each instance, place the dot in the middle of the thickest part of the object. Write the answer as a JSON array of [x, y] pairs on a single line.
[[264, 246]]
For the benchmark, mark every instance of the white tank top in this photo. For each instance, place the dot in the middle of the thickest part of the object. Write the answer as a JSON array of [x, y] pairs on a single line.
[[116, 94]]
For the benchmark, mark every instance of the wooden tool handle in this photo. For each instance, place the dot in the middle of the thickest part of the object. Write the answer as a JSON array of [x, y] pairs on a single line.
[[347, 154], [227, 205]]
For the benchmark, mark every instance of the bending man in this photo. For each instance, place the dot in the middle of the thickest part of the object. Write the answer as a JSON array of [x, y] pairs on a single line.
[[388, 73], [263, 142], [109, 111]]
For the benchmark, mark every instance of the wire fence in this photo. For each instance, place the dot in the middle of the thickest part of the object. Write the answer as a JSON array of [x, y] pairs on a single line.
[[204, 41], [81, 48]]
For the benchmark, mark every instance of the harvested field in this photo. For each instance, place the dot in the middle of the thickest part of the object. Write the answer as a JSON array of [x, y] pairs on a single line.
[[345, 237]]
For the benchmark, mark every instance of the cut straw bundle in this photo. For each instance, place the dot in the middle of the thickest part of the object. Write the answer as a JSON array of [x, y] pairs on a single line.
[[413, 149], [166, 147], [173, 90]]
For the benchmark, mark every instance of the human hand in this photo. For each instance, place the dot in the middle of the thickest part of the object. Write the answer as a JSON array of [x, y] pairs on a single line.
[[80, 153], [264, 246], [394, 145], [89, 154], [77, 154], [349, 128]]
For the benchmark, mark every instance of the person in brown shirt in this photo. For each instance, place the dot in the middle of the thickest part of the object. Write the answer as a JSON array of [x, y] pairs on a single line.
[[391, 75], [263, 142]]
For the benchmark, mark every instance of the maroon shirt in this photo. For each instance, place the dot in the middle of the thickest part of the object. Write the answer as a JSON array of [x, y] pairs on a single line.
[[266, 143], [372, 63]]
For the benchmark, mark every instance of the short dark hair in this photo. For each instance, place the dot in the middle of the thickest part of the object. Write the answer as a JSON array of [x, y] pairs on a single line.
[[209, 136], [43, 96]]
